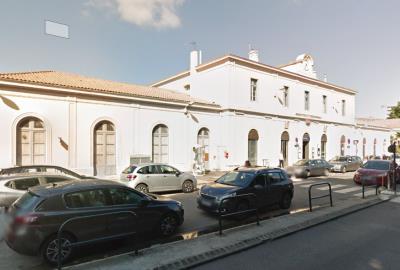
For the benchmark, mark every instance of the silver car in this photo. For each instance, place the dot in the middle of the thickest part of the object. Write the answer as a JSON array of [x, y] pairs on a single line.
[[153, 177], [13, 187]]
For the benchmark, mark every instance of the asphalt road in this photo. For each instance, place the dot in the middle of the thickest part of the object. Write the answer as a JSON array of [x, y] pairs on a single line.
[[196, 220], [365, 240]]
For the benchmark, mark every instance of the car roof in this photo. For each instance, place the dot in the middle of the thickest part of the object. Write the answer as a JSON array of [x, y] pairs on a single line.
[[379, 160], [148, 164], [72, 186], [28, 176], [257, 169]]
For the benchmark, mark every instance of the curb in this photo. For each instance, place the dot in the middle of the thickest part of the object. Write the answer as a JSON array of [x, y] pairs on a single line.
[[318, 217]]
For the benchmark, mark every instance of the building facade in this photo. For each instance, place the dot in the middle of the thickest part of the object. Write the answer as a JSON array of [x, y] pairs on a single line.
[[212, 117]]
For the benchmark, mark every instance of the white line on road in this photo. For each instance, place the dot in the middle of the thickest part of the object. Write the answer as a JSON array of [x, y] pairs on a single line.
[[366, 193], [333, 187], [303, 182], [347, 190]]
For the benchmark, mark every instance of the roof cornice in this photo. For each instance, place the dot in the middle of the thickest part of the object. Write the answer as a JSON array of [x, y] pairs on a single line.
[[259, 66]]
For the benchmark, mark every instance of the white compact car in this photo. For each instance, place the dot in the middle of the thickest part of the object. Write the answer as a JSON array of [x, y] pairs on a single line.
[[13, 187], [153, 177]]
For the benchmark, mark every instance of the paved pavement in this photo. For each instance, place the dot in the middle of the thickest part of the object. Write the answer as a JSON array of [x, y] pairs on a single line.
[[365, 240], [197, 221]]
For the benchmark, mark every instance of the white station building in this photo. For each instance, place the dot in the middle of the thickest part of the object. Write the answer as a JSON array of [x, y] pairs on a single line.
[[214, 116]]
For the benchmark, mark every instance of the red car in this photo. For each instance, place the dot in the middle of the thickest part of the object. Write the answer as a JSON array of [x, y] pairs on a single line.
[[376, 172]]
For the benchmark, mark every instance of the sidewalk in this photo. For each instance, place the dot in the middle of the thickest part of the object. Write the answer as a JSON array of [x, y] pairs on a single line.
[[188, 253]]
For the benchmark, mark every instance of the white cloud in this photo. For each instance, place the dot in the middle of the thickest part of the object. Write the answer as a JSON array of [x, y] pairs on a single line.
[[154, 13]]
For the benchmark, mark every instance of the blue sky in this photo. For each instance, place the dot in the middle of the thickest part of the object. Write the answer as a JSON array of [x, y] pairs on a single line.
[[356, 43]]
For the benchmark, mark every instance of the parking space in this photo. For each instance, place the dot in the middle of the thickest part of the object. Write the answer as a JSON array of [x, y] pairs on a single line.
[[197, 221]]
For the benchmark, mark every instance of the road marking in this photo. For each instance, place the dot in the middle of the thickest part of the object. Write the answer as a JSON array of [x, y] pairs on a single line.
[[303, 182], [396, 200], [366, 193], [347, 190], [333, 187]]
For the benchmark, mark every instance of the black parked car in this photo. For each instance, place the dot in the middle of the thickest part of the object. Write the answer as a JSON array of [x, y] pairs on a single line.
[[313, 167], [38, 214], [270, 186]]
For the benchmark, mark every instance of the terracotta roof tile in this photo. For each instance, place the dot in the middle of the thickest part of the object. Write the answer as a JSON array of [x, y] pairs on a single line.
[[79, 82]]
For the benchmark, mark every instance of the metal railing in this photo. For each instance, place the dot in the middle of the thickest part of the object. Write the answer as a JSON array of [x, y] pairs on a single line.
[[81, 243], [318, 197], [229, 214], [363, 187]]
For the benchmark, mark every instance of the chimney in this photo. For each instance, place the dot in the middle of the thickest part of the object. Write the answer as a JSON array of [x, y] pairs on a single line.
[[325, 77], [253, 55], [195, 59]]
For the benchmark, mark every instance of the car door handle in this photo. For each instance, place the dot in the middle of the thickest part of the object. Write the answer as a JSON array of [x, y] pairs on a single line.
[[164, 176]]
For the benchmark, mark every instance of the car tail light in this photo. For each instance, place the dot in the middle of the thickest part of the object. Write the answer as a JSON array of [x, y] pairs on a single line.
[[131, 177], [27, 219]]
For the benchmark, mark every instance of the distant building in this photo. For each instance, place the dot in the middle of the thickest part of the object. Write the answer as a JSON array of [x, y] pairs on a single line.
[[214, 117]]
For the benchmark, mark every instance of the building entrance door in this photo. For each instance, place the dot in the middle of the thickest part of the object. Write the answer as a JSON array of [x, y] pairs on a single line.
[[104, 153]]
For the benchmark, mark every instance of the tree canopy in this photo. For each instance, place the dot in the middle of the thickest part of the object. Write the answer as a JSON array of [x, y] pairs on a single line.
[[394, 111]]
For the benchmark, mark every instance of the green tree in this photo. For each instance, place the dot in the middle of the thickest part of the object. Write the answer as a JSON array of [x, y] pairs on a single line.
[[395, 111]]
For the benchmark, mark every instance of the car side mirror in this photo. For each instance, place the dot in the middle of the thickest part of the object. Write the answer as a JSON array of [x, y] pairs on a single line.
[[178, 173], [258, 187]]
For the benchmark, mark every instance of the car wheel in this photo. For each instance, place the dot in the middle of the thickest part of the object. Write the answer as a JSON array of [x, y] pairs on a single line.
[[326, 172], [286, 201], [142, 188], [50, 249], [344, 169], [168, 225], [308, 174], [187, 186]]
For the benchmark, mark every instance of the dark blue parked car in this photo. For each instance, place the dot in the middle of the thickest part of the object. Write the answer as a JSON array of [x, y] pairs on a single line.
[[270, 185]]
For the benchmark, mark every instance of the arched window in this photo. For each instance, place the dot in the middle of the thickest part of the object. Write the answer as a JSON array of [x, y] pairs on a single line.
[[306, 146], [31, 142], [375, 142], [104, 148], [160, 144], [324, 139], [252, 147], [284, 147], [342, 145]]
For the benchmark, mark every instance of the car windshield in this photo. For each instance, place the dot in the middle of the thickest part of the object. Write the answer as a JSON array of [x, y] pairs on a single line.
[[382, 166], [240, 179], [302, 162]]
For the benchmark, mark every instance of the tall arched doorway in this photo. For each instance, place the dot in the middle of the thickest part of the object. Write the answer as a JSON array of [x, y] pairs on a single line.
[[324, 139], [203, 140], [306, 146], [363, 148], [284, 147], [252, 147], [160, 144], [342, 145], [104, 149], [31, 142]]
